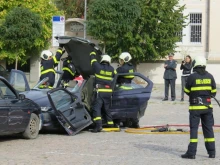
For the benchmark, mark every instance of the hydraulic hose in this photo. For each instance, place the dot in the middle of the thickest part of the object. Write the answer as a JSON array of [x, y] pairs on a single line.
[[148, 129]]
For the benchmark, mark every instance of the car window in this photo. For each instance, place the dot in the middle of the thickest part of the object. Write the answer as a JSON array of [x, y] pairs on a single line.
[[5, 91], [136, 83], [61, 99], [17, 81]]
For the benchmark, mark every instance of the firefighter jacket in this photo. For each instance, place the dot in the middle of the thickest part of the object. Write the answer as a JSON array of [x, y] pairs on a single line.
[[200, 87], [170, 69], [69, 70], [104, 73], [47, 66], [125, 68]]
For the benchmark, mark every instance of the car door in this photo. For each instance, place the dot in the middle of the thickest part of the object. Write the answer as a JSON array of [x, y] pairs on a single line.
[[4, 109], [19, 81], [130, 102], [69, 110]]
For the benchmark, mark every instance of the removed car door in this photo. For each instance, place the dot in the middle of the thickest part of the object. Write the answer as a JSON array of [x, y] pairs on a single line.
[[130, 100], [70, 111]]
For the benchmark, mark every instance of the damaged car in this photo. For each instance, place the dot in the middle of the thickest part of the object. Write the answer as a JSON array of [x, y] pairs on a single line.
[[70, 108]]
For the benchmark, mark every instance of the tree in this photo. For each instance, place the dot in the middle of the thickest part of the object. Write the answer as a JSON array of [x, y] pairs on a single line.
[[19, 31], [45, 9], [150, 36], [110, 20]]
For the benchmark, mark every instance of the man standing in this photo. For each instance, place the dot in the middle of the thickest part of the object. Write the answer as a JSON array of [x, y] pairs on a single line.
[[104, 73], [170, 77], [200, 88]]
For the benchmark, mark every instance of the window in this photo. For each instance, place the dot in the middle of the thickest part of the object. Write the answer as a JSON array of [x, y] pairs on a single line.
[[180, 35], [5, 91], [136, 83], [61, 99], [196, 27]]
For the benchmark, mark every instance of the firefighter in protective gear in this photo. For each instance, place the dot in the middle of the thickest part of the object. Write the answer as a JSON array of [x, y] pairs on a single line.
[[125, 67], [48, 62], [69, 71], [104, 73], [200, 88]]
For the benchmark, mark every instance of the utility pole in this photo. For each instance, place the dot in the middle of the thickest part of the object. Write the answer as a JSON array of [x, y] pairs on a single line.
[[207, 28], [85, 10]]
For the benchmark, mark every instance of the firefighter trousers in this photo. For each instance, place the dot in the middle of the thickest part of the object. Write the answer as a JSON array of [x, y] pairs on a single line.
[[207, 121], [102, 102]]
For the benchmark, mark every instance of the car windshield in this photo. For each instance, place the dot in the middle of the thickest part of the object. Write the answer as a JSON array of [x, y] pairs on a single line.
[[73, 85]]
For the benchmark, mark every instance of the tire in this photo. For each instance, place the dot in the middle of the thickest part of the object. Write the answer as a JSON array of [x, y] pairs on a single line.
[[131, 123], [32, 129]]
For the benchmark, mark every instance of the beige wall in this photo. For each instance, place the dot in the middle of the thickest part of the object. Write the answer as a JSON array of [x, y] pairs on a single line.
[[215, 29], [199, 49], [155, 72]]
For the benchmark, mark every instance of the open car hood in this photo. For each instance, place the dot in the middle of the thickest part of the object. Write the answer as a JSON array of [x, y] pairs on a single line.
[[79, 49]]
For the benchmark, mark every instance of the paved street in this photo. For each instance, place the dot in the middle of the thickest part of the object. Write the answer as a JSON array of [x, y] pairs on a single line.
[[115, 147]]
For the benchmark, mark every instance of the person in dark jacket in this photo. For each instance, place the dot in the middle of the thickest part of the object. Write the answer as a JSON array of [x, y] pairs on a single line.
[[170, 77], [200, 88], [186, 66], [69, 71], [48, 62], [125, 67], [104, 74]]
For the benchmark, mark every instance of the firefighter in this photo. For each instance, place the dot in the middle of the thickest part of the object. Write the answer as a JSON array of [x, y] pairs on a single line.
[[104, 73], [200, 88], [69, 71], [48, 62], [125, 67]]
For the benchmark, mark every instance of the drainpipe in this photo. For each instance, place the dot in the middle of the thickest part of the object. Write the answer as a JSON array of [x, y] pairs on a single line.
[[85, 12], [207, 28]]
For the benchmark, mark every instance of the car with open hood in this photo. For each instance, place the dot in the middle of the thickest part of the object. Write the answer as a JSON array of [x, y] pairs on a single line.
[[71, 107], [18, 115]]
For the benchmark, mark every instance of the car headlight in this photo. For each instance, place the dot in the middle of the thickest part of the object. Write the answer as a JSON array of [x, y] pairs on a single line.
[[44, 108]]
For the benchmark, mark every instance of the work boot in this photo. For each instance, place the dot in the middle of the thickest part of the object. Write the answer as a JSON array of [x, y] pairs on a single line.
[[212, 156], [187, 156], [98, 128], [165, 99]]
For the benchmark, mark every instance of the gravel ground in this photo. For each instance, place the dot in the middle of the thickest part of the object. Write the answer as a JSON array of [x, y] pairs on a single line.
[[115, 147]]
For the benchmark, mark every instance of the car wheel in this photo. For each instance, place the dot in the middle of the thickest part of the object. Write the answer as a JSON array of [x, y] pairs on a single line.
[[131, 123], [32, 129]]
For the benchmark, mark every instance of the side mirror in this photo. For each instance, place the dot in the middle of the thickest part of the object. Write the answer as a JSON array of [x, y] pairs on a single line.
[[21, 96]]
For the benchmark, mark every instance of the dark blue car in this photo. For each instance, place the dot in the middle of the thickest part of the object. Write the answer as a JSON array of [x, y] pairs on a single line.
[[70, 107]]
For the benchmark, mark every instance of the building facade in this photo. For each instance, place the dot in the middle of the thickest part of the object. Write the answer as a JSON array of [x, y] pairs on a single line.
[[201, 35]]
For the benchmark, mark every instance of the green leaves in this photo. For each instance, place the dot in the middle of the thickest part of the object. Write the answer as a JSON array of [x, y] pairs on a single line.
[[20, 29], [110, 20], [25, 35], [154, 33]]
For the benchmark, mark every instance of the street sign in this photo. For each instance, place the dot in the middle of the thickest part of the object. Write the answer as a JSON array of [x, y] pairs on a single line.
[[58, 28]]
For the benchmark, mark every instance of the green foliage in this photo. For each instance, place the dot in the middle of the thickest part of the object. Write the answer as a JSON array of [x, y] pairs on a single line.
[[45, 9], [147, 36], [109, 20], [20, 29]]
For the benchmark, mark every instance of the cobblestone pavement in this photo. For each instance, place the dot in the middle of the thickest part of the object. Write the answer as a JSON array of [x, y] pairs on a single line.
[[115, 147]]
